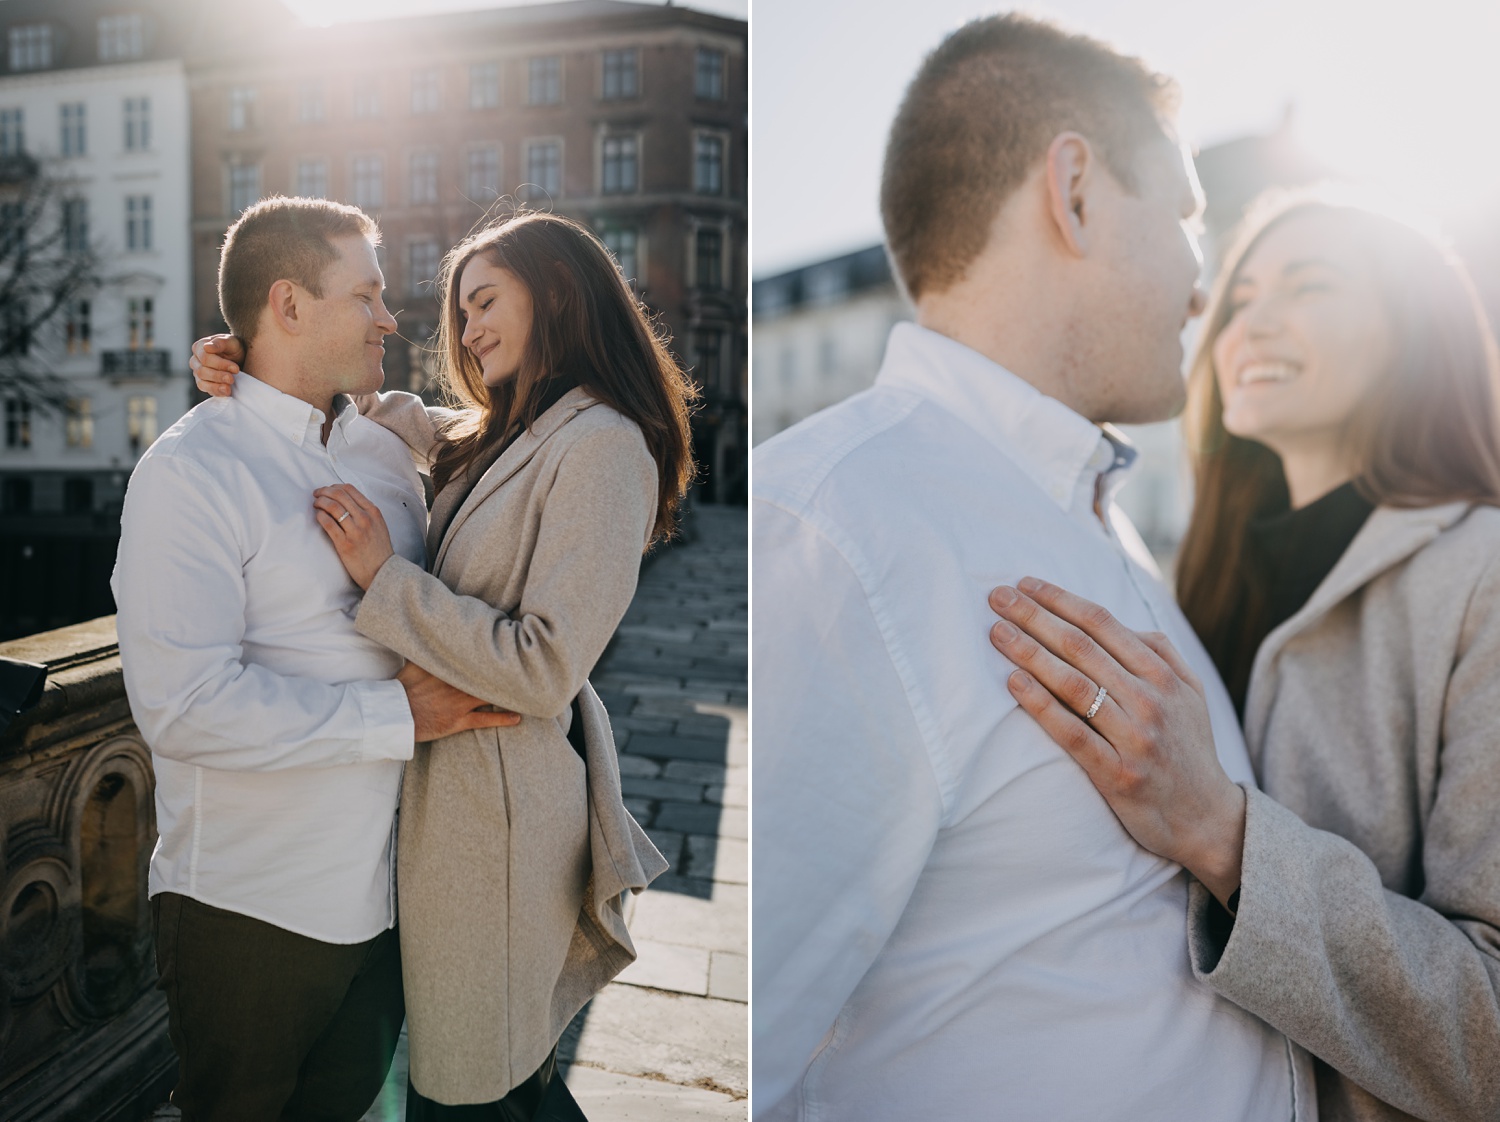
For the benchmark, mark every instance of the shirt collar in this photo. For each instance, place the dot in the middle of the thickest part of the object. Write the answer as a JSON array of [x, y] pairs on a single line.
[[294, 418], [1056, 447]]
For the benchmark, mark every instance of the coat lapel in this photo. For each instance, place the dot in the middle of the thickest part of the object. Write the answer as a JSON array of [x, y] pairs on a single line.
[[1389, 537], [444, 521]]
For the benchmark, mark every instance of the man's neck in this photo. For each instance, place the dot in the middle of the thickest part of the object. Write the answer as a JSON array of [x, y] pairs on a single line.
[[278, 372]]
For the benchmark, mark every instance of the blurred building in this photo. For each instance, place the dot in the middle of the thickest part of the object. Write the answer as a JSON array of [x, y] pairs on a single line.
[[629, 117], [820, 329], [93, 101]]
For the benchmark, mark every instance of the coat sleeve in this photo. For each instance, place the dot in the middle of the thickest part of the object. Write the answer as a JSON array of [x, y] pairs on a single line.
[[1400, 996], [418, 424], [582, 574]]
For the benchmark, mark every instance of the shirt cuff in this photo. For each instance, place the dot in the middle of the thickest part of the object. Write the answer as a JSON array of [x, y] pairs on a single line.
[[390, 732]]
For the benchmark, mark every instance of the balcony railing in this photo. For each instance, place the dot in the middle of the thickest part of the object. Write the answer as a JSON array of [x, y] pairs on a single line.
[[136, 363]]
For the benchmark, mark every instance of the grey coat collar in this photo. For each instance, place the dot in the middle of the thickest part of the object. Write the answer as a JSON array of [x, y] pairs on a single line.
[[451, 508], [1387, 538]]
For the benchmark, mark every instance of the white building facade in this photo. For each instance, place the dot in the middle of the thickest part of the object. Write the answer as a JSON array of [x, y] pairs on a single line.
[[113, 140]]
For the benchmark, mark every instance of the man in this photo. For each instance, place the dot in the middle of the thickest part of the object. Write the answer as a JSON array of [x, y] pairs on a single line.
[[277, 731], [949, 921]]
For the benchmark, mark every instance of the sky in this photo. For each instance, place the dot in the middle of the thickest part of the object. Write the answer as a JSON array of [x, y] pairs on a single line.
[[1405, 96], [343, 11]]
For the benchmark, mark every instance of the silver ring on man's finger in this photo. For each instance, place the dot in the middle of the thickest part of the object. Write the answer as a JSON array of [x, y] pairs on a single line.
[[1098, 701], [344, 516]]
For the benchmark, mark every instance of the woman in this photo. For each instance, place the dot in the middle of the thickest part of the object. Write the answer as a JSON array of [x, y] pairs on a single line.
[[570, 456], [1342, 567]]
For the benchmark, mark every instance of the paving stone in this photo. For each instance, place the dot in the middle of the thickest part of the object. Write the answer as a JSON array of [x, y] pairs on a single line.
[[695, 770], [661, 789], [671, 1036], [718, 859], [669, 842], [639, 766], [640, 809], [729, 976], [679, 748], [668, 966], [607, 1096], [718, 923], [636, 723], [735, 794], [690, 818]]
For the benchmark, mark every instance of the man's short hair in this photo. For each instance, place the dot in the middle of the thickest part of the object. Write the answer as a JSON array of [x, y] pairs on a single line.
[[281, 239], [981, 113]]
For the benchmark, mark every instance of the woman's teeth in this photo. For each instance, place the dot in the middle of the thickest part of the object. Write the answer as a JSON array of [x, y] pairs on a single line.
[[1268, 372]]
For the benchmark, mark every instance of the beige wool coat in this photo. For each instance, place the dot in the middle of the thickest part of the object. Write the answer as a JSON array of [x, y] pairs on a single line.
[[1368, 927], [513, 854]]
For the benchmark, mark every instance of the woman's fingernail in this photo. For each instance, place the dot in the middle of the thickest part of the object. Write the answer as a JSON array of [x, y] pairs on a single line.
[[1004, 632], [1003, 596], [1020, 680], [1030, 584]]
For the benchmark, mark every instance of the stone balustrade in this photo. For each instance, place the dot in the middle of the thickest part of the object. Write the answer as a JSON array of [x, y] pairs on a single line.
[[82, 1027]]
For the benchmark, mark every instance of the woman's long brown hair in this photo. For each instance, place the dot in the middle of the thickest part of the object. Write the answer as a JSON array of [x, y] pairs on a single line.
[[587, 326], [1427, 433]]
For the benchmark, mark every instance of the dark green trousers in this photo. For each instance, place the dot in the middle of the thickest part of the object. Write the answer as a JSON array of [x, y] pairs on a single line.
[[270, 1026]]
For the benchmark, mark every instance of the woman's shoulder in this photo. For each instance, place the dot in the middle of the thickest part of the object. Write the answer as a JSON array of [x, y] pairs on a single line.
[[599, 426], [1464, 552]]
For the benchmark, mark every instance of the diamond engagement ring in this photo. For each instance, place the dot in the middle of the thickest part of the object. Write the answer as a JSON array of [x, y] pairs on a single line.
[[1098, 701], [346, 514]]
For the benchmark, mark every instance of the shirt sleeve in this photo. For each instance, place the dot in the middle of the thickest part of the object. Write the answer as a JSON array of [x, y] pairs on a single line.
[[180, 590], [847, 804], [418, 424]]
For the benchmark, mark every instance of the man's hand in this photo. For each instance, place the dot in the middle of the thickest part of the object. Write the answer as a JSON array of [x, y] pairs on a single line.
[[441, 710], [214, 362], [1148, 745]]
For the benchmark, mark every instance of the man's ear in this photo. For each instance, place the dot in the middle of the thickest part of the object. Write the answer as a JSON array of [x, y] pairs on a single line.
[[1072, 168], [284, 303]]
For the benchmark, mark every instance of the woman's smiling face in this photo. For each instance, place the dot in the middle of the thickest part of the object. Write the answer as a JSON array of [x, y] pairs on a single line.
[[1307, 336], [496, 308]]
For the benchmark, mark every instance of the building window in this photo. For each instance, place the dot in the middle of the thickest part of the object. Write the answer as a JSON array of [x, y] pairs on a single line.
[[141, 320], [708, 348], [426, 96], [484, 173], [484, 85], [17, 423], [708, 77], [369, 181], [708, 165], [620, 165], [31, 46], [709, 259], [312, 179], [310, 102], [622, 242], [422, 260], [75, 225], [80, 423], [137, 124], [241, 108], [140, 422], [12, 132], [12, 229], [366, 97], [121, 37], [544, 80], [78, 496], [244, 187], [17, 330], [78, 327], [15, 495], [138, 222], [621, 75], [74, 136], [424, 177], [544, 166]]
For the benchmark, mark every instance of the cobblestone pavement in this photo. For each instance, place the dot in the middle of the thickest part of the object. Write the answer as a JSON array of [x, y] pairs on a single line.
[[669, 1039]]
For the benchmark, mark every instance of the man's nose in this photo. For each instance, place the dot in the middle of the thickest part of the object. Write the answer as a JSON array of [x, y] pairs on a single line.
[[385, 321]]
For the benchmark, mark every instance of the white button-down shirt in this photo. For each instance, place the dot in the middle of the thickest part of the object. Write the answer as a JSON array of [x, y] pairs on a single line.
[[276, 733], [949, 920]]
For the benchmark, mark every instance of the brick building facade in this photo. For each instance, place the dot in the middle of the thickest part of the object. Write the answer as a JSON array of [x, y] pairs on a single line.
[[629, 117]]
